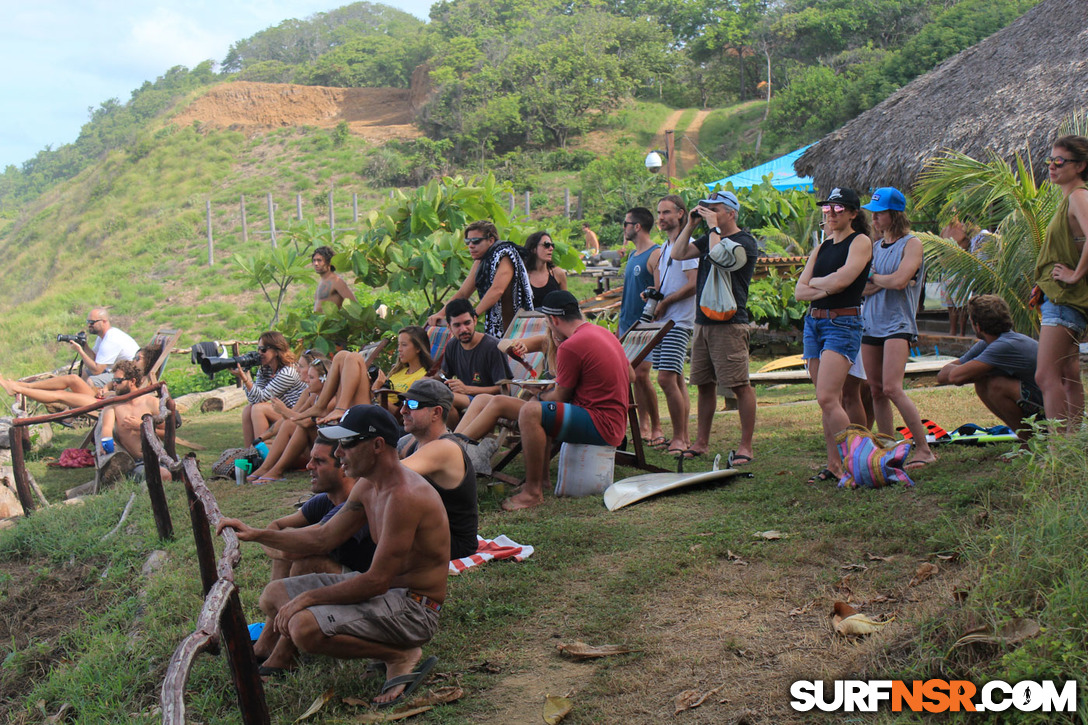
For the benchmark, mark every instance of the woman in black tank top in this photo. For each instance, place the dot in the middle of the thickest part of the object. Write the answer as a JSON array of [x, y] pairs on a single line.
[[544, 276], [833, 281]]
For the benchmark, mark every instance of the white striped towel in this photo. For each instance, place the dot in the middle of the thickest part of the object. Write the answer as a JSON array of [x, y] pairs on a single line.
[[501, 547]]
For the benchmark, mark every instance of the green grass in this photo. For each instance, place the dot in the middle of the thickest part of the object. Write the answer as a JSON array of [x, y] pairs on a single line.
[[724, 132], [599, 576], [638, 119]]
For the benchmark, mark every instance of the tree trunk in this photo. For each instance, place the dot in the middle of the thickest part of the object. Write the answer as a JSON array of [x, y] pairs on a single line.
[[224, 399]]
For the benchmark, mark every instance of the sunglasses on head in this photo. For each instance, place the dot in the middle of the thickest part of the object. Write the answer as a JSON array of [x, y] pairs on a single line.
[[1057, 161]]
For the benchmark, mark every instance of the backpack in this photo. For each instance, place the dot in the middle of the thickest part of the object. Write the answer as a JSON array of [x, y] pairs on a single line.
[[717, 301], [872, 461]]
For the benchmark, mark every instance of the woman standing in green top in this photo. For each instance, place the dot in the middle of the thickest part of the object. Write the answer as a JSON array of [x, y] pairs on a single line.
[[1060, 274]]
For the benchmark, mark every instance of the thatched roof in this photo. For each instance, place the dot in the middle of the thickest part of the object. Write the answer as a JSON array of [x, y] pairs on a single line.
[[1013, 88]]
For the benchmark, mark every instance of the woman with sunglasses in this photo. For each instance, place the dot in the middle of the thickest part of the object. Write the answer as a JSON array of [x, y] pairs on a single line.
[[1059, 274], [276, 378], [544, 276], [291, 444], [833, 281], [889, 324]]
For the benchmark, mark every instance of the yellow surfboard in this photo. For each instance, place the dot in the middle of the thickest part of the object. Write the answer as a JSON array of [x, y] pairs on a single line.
[[791, 361]]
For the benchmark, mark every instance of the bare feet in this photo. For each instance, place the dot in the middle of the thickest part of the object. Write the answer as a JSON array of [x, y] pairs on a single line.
[[396, 668], [521, 501], [7, 386]]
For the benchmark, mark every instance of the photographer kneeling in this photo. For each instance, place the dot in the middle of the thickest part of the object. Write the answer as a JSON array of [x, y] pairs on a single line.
[[276, 378]]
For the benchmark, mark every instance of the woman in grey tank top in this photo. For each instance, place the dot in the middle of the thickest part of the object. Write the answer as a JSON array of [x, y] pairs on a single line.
[[889, 327]]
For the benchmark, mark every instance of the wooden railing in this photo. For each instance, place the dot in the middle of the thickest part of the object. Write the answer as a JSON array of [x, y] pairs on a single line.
[[222, 617]]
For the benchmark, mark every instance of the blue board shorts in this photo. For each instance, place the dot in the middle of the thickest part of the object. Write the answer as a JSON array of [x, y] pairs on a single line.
[[569, 423], [1055, 315]]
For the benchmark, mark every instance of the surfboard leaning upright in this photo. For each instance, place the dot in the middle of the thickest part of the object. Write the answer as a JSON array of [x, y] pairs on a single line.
[[636, 488]]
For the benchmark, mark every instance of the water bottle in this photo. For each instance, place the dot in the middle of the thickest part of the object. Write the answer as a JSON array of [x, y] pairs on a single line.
[[262, 449], [241, 470]]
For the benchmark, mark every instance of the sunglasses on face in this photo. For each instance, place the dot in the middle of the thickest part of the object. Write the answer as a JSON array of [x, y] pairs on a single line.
[[262, 348], [91, 322], [1056, 161], [547, 245], [118, 381], [409, 404], [347, 443], [833, 208], [474, 240]]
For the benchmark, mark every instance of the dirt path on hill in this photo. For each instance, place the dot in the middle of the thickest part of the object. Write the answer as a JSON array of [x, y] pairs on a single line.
[[692, 131], [377, 114]]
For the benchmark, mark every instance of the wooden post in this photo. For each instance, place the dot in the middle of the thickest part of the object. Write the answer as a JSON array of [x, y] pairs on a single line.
[[670, 157], [245, 226], [354, 208], [332, 213], [298, 207], [243, 663], [159, 508], [580, 214], [19, 436], [566, 203], [208, 216], [202, 535], [271, 220], [512, 202], [526, 203], [390, 193]]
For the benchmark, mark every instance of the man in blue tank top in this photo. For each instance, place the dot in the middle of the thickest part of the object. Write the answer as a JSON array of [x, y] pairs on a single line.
[[637, 277]]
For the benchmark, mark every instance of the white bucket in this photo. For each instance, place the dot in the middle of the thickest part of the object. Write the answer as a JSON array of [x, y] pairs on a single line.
[[584, 470]]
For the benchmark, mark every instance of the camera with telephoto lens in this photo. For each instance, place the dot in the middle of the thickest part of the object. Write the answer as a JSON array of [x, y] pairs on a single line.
[[653, 296], [80, 338], [211, 365]]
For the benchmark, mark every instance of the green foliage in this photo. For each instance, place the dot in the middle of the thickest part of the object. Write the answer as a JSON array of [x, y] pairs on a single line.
[[184, 380], [771, 302], [408, 163], [274, 270], [613, 184], [368, 61]]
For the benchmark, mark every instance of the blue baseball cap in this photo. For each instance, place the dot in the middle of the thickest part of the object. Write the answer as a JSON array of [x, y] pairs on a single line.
[[722, 197], [887, 198]]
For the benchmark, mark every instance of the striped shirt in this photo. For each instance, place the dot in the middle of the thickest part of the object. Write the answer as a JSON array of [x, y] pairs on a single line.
[[285, 385]]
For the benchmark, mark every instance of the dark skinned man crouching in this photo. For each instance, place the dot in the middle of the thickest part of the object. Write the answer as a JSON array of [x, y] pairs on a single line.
[[389, 611]]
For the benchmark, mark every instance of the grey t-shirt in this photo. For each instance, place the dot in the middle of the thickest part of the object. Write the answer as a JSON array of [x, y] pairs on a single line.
[[1010, 354], [482, 366]]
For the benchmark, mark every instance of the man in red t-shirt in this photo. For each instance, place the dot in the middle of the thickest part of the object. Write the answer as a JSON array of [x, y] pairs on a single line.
[[589, 402]]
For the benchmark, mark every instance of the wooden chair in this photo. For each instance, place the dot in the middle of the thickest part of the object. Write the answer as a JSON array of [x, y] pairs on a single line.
[[638, 343], [167, 339]]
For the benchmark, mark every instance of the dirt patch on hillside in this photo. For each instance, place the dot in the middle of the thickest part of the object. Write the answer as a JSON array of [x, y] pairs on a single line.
[[377, 114], [41, 602]]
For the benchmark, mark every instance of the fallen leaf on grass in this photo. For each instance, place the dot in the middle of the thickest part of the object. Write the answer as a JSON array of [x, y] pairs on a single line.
[[954, 556], [771, 535], [691, 699], [695, 548], [583, 651], [798, 611], [874, 557], [426, 701], [317, 705], [1013, 632], [854, 567], [925, 571], [843, 585], [960, 595], [61, 715], [398, 714], [730, 556], [849, 622], [881, 598], [556, 707]]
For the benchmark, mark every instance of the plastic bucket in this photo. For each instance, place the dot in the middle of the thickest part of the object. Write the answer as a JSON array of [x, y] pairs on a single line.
[[584, 470]]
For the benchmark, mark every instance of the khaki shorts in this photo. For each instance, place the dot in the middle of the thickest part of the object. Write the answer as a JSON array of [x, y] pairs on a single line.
[[719, 354], [391, 618]]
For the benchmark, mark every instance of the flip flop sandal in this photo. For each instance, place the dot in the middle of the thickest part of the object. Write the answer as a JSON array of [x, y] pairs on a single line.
[[822, 477], [412, 681], [691, 455], [659, 443], [737, 459]]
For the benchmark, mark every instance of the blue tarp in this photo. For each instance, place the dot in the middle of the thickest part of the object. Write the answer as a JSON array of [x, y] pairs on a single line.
[[782, 168]]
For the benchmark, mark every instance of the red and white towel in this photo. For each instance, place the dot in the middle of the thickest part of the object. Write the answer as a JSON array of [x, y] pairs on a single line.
[[501, 547]]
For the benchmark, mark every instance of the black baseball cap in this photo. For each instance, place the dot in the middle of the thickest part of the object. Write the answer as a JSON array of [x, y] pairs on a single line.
[[846, 197], [559, 303], [430, 393], [363, 422]]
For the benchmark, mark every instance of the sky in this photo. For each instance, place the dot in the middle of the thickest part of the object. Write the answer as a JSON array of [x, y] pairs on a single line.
[[65, 56]]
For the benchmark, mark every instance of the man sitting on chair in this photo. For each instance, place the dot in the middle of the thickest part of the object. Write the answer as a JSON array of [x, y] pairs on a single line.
[[121, 422], [588, 404], [1001, 365], [472, 362]]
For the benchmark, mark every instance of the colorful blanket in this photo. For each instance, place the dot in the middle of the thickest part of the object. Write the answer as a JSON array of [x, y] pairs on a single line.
[[501, 547]]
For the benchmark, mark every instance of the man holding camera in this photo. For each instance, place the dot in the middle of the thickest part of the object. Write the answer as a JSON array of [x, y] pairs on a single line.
[[638, 278], [719, 355]]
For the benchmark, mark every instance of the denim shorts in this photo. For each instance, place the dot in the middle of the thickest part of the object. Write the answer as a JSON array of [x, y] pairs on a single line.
[[841, 335], [1063, 315], [569, 423]]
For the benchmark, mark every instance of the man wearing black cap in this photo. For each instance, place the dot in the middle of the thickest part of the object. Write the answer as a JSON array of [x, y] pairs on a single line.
[[433, 452], [719, 352], [389, 611], [589, 401]]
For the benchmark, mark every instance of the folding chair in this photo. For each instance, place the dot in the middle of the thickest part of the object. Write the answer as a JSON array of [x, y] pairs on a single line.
[[638, 343], [166, 339]]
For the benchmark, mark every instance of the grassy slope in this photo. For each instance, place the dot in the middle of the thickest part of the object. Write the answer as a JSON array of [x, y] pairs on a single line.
[[660, 577]]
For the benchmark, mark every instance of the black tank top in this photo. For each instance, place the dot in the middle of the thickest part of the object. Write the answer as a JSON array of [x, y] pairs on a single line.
[[539, 293], [830, 257], [460, 504]]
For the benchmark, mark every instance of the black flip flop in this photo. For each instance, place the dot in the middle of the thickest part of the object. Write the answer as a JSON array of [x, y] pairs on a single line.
[[412, 681], [737, 459]]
